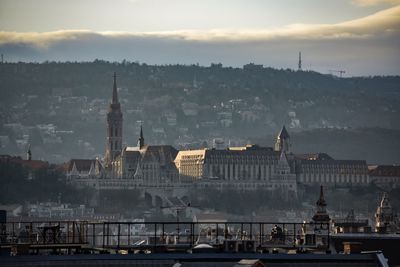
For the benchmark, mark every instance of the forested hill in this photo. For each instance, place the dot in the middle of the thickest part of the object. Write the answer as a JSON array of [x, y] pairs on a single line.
[[93, 78], [182, 105]]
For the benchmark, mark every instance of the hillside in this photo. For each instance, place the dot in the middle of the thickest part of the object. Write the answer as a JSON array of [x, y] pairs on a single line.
[[60, 107]]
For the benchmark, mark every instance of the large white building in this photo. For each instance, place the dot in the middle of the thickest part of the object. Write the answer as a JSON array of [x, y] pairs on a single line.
[[244, 168]]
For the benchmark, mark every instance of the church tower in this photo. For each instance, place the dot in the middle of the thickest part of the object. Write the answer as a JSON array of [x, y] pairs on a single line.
[[114, 127], [283, 141]]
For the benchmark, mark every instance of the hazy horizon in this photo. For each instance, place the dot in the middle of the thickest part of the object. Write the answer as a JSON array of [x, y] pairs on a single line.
[[360, 37]]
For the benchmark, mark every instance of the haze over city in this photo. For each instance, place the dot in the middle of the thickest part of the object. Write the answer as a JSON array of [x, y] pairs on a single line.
[[199, 133], [359, 36]]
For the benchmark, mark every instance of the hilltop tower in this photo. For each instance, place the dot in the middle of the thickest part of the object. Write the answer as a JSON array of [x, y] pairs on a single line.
[[114, 127], [283, 141], [300, 68]]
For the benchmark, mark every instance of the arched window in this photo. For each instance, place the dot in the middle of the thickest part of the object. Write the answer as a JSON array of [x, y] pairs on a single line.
[[116, 144]]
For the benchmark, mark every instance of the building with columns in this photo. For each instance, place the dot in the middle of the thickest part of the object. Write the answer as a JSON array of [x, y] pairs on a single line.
[[245, 168], [320, 168]]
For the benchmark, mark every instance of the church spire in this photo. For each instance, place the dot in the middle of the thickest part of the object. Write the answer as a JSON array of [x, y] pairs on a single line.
[[321, 215], [114, 127], [115, 93], [29, 153], [321, 201], [140, 143]]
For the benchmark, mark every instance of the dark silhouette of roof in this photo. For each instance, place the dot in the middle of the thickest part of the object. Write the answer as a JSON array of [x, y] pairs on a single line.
[[283, 134], [385, 170], [32, 164], [373, 259]]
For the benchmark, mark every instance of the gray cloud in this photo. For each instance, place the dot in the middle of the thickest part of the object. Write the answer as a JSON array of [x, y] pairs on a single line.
[[363, 47]]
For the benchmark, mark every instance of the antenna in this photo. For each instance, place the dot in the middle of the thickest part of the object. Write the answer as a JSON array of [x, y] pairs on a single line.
[[299, 61], [178, 209], [341, 72]]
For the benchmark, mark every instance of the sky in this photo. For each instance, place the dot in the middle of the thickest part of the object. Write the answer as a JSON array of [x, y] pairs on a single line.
[[361, 37]]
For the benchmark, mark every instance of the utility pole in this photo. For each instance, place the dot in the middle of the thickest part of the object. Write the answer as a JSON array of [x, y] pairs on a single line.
[[177, 209]]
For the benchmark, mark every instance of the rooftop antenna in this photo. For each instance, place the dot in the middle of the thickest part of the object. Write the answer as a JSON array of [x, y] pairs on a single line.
[[299, 61], [178, 209]]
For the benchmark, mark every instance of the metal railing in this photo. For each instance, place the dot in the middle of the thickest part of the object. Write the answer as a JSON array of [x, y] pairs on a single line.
[[159, 236], [44, 232]]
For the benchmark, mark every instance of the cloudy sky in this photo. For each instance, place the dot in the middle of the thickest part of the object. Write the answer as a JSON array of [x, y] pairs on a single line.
[[361, 37]]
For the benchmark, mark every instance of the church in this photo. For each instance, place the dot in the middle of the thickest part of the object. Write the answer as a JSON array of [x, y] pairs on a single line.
[[249, 167], [143, 165]]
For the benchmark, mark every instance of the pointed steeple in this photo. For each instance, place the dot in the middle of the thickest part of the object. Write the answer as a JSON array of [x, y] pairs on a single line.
[[114, 127], [283, 133], [140, 143], [283, 141], [321, 201], [321, 215], [385, 218], [29, 153], [115, 93]]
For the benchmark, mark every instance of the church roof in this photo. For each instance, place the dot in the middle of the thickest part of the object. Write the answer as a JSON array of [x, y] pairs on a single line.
[[32, 164], [164, 154], [132, 155], [81, 164], [283, 134]]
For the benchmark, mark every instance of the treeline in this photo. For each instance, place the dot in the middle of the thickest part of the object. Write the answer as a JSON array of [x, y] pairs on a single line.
[[19, 184], [94, 79]]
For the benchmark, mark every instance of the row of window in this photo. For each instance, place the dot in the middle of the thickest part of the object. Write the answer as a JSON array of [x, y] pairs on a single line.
[[336, 178], [114, 130]]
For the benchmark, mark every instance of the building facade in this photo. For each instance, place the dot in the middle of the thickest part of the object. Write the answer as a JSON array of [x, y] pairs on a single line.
[[386, 177], [134, 166], [317, 169], [245, 168]]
